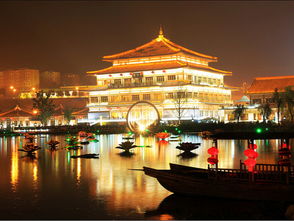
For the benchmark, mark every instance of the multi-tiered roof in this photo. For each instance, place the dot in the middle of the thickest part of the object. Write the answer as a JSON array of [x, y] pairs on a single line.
[[158, 47]]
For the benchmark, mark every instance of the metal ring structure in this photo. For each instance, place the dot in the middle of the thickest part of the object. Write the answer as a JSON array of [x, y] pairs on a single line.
[[141, 102]]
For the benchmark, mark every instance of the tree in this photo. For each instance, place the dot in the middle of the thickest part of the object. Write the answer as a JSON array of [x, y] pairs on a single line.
[[240, 109], [45, 106], [68, 115], [180, 100], [279, 101], [265, 110], [289, 101]]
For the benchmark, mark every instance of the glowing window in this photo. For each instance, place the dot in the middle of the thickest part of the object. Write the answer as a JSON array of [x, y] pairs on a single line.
[[160, 78], [135, 97], [146, 97], [94, 99], [171, 77], [104, 99]]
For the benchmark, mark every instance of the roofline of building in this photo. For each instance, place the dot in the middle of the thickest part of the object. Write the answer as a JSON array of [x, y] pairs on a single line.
[[177, 48], [274, 77], [184, 65]]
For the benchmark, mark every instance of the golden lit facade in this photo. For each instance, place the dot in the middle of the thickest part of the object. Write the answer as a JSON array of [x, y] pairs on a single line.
[[160, 72]]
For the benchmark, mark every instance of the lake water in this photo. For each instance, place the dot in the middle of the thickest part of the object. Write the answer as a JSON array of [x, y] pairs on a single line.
[[55, 186]]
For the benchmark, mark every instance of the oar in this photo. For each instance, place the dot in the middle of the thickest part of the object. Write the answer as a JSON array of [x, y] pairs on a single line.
[[137, 169]]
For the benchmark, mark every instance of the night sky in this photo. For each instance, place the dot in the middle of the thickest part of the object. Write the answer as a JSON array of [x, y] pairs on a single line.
[[251, 39]]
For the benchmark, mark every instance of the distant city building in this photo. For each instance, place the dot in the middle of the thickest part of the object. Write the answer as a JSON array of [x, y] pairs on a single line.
[[70, 79], [50, 79], [15, 81], [159, 72]]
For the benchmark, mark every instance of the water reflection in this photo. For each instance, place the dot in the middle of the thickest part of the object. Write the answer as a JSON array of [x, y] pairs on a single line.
[[103, 188], [14, 166], [183, 207]]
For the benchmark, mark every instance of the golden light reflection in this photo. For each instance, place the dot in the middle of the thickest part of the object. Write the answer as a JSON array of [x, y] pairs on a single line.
[[78, 169], [108, 177], [35, 172], [166, 217], [14, 172]]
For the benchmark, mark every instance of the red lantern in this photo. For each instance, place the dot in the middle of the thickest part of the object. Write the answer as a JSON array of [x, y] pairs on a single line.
[[212, 151], [162, 135], [163, 71], [131, 73], [284, 145], [250, 162], [163, 142], [251, 153], [252, 146], [110, 75], [212, 160]]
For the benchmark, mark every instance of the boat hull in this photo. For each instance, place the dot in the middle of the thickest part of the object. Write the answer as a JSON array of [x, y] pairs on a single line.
[[196, 186]]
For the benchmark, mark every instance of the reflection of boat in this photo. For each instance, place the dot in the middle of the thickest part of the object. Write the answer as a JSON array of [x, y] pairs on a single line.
[[267, 182], [89, 156], [188, 146], [178, 207], [126, 154], [84, 142], [187, 155], [284, 151]]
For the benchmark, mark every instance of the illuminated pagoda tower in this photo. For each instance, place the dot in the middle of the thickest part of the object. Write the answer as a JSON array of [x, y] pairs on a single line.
[[159, 72]]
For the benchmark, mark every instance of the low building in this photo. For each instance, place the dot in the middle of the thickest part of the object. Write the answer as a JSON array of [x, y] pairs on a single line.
[[260, 92], [262, 88], [17, 117], [20, 112]]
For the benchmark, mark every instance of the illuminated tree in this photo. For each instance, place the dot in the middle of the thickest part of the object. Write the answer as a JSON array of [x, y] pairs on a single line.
[[265, 110], [238, 112], [68, 115], [279, 101], [45, 106], [180, 100], [289, 101]]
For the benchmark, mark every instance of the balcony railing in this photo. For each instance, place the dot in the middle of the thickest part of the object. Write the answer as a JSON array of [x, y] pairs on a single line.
[[143, 84]]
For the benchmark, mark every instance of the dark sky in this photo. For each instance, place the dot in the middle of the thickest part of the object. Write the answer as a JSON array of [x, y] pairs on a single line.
[[251, 39]]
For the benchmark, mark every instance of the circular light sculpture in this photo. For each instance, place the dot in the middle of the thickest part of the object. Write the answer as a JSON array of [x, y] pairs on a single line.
[[142, 116]]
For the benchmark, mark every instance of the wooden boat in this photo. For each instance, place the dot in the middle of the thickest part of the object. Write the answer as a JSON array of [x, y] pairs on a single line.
[[268, 182], [126, 146], [188, 146], [30, 148], [53, 144]]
